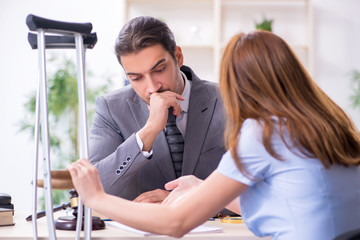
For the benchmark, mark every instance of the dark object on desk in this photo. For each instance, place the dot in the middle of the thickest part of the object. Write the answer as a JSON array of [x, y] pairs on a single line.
[[43, 213], [5, 201], [352, 235], [69, 222]]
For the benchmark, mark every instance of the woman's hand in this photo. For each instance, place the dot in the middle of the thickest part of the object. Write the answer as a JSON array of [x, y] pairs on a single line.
[[180, 187], [87, 182]]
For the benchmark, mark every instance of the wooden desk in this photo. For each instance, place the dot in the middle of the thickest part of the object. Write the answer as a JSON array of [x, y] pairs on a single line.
[[23, 230]]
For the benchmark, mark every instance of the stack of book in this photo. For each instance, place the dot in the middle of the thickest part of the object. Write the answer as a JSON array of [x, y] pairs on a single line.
[[6, 217], [6, 210]]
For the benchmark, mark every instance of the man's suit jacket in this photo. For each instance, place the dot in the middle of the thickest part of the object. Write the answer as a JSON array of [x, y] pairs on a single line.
[[123, 169]]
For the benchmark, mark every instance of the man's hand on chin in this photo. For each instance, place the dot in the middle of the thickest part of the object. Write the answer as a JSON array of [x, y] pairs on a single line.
[[155, 196]]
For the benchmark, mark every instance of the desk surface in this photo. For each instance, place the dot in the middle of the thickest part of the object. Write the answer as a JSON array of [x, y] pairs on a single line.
[[23, 230]]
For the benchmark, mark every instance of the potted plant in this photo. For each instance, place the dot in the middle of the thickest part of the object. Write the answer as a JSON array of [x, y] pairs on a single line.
[[355, 97], [265, 24]]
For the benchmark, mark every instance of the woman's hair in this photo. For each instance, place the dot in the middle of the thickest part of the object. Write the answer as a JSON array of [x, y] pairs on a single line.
[[142, 32], [260, 77]]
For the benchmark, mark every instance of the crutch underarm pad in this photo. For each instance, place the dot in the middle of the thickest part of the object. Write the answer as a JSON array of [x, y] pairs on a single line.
[[53, 41], [35, 22]]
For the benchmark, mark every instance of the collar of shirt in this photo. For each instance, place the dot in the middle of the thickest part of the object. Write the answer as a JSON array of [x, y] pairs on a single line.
[[185, 94], [182, 120]]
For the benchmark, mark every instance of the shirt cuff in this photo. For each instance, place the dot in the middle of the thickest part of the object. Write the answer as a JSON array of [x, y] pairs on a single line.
[[141, 145]]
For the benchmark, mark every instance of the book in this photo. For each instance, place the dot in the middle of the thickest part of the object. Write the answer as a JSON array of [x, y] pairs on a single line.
[[6, 217], [200, 229]]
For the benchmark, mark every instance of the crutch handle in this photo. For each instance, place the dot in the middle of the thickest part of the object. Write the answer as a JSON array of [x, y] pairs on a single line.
[[36, 22], [57, 42]]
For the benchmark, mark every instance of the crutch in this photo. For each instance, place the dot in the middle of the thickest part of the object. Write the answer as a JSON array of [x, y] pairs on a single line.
[[57, 34]]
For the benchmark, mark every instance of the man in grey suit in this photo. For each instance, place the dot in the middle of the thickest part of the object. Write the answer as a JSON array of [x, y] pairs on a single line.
[[127, 143]]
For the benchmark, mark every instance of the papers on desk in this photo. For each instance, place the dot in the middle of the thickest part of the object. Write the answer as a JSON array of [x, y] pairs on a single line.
[[200, 229]]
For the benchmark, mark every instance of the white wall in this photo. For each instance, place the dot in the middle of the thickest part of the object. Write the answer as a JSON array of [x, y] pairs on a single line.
[[337, 49], [337, 52]]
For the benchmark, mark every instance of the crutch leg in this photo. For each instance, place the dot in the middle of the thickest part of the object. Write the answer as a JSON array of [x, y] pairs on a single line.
[[83, 137], [45, 134]]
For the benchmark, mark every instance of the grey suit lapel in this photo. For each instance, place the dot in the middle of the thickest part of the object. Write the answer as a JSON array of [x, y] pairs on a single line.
[[139, 111], [197, 127], [201, 109], [161, 154]]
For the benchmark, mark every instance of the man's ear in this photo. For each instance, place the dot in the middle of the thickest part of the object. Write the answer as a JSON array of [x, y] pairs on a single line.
[[179, 56]]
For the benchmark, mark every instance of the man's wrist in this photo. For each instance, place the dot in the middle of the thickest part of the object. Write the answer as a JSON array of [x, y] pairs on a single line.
[[147, 135], [146, 154]]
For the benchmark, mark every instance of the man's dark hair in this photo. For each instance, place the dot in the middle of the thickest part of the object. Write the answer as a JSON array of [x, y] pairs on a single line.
[[142, 32]]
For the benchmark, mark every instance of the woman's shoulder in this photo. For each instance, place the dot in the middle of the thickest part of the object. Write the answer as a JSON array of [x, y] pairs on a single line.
[[251, 127], [251, 123], [251, 134]]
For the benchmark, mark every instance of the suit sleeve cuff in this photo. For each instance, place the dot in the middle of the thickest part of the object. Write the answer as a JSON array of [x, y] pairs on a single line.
[[141, 145]]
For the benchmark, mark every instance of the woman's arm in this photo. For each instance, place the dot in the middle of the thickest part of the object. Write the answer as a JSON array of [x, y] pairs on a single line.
[[175, 220], [183, 185]]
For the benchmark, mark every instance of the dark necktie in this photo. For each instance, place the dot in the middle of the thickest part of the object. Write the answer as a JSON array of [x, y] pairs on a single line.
[[175, 141]]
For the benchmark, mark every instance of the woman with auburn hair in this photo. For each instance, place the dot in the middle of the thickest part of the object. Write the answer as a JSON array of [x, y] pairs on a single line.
[[292, 162]]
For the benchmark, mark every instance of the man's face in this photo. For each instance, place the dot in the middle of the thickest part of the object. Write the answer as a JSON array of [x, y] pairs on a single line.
[[154, 70]]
